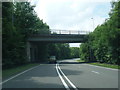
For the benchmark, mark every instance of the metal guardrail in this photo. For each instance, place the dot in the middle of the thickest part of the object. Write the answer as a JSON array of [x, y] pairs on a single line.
[[54, 31]]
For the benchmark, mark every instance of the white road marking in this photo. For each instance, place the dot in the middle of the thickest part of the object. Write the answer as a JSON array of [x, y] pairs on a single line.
[[67, 78], [18, 75], [95, 72], [64, 83], [101, 67]]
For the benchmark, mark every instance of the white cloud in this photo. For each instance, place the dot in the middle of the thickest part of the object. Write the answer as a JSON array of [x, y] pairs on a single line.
[[73, 14], [59, 13]]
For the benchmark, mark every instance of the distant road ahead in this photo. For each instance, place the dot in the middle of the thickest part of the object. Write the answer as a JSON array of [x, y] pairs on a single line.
[[63, 75]]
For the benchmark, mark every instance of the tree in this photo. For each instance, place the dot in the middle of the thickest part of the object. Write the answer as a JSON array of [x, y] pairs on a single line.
[[104, 39], [61, 51], [19, 21], [74, 52]]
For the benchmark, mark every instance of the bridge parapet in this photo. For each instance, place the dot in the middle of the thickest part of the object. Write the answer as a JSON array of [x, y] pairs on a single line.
[[60, 36], [56, 31]]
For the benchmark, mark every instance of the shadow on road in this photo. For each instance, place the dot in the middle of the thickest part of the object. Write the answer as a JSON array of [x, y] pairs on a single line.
[[32, 84], [74, 62], [49, 70]]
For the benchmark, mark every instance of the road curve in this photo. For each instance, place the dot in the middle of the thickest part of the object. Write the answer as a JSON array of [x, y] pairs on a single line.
[[75, 76]]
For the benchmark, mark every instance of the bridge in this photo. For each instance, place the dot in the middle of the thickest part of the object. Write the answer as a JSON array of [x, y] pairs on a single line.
[[55, 36], [60, 36]]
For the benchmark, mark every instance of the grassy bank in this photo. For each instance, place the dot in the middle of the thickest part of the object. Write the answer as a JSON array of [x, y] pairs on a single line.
[[102, 64], [12, 71], [80, 60], [106, 65]]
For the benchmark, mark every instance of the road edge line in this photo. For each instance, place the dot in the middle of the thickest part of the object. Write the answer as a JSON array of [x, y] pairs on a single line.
[[18, 75]]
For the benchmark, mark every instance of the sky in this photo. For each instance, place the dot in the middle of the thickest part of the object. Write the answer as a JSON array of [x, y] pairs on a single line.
[[78, 15]]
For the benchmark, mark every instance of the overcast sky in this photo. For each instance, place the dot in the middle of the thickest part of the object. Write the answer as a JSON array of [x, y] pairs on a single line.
[[73, 14]]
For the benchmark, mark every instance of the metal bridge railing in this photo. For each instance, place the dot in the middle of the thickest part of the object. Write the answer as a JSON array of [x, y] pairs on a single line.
[[68, 32]]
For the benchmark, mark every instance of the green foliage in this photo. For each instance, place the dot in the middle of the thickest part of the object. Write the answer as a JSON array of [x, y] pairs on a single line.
[[19, 20], [74, 52], [104, 41], [84, 52], [61, 51], [106, 65]]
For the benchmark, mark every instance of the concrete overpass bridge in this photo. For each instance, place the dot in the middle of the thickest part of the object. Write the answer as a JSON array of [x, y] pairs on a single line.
[[60, 36], [57, 36]]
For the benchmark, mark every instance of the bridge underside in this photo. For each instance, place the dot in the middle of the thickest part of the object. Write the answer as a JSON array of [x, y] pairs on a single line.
[[34, 42]]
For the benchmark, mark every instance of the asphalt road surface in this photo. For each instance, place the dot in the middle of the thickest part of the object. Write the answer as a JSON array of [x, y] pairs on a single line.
[[65, 74]]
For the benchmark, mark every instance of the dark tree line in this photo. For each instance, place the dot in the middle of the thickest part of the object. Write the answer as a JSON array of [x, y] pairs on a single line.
[[19, 20], [103, 44], [61, 51]]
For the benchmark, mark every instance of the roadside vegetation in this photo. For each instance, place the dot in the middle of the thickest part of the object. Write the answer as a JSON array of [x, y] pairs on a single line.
[[80, 61], [103, 45], [106, 65], [101, 64], [19, 20]]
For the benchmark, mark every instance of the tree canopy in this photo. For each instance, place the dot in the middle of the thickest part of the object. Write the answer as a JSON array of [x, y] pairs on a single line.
[[19, 20], [103, 44]]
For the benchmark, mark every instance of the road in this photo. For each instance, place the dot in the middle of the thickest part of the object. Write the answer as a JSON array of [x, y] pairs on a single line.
[[65, 74]]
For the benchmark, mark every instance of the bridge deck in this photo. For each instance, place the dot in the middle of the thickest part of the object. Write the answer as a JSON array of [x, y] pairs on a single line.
[[58, 38]]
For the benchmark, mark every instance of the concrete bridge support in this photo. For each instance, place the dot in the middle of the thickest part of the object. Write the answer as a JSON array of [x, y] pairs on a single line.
[[32, 52], [28, 51]]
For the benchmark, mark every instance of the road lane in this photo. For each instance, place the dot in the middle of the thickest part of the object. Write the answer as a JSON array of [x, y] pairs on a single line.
[[44, 76], [82, 76]]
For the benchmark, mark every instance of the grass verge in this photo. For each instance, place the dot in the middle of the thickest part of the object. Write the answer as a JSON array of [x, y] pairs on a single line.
[[12, 71], [80, 60], [102, 64], [106, 65]]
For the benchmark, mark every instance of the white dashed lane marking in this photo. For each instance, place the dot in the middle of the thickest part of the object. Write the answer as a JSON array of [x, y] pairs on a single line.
[[95, 72]]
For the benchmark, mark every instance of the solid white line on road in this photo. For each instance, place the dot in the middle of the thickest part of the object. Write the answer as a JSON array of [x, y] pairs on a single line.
[[18, 75], [95, 72], [64, 83], [67, 78], [102, 67]]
